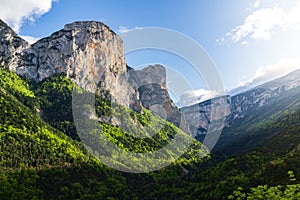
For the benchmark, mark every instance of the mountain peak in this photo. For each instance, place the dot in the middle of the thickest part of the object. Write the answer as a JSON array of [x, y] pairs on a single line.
[[86, 25], [92, 56], [3, 26]]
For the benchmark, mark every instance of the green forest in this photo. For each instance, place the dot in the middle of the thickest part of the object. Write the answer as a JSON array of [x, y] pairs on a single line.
[[42, 156]]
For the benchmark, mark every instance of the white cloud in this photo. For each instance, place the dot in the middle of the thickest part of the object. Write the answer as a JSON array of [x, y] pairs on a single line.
[[123, 29], [189, 98], [256, 4], [259, 25], [262, 23], [244, 43], [221, 41], [270, 72], [265, 74], [15, 12], [29, 39]]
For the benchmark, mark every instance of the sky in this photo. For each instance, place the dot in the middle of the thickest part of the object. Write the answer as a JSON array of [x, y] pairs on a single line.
[[250, 41]]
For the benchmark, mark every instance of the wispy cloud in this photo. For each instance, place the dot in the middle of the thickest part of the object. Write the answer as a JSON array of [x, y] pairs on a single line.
[[259, 25], [256, 4], [244, 43], [262, 23], [269, 72], [123, 29], [15, 12], [189, 98]]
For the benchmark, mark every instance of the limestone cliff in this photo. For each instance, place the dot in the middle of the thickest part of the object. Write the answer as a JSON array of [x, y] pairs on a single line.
[[11, 46], [89, 52], [150, 83], [201, 117]]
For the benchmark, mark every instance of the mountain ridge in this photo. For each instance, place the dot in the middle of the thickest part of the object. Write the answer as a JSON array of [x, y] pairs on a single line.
[[92, 56], [264, 105], [41, 157], [88, 51]]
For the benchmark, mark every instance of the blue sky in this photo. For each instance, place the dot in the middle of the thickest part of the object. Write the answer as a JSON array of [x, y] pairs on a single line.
[[250, 41]]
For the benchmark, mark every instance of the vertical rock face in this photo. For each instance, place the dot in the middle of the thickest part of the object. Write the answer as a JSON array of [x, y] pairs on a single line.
[[11, 46], [200, 117], [78, 45], [91, 55], [87, 52], [150, 83]]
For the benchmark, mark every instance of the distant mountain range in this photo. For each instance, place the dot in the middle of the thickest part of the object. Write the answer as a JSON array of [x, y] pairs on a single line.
[[244, 113], [257, 109]]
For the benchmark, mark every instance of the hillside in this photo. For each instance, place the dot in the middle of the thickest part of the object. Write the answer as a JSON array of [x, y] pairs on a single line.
[[260, 114], [44, 154], [34, 146]]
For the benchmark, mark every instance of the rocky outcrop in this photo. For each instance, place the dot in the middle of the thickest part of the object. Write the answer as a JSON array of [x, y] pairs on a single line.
[[150, 83], [240, 110], [201, 117], [79, 45], [259, 114], [260, 96], [11, 47], [92, 56], [89, 53]]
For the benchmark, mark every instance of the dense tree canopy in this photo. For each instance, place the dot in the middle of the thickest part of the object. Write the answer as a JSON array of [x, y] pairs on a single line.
[[41, 156]]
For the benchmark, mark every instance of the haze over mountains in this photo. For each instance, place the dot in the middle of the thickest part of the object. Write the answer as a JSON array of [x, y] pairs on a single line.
[[39, 142]]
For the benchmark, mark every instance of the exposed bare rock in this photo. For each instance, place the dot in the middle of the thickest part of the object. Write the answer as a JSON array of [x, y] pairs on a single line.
[[201, 116], [91, 55], [87, 52], [11, 46], [150, 83]]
